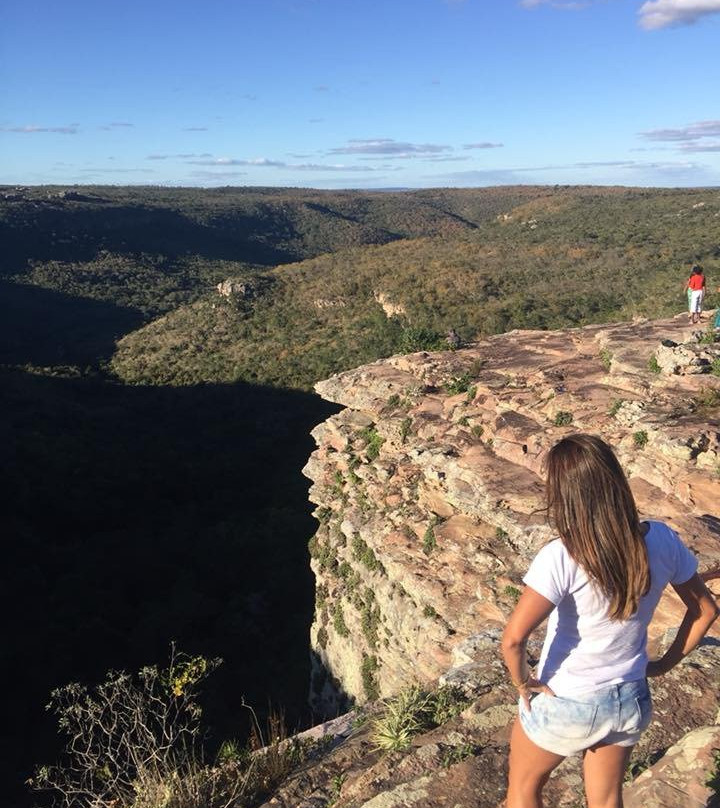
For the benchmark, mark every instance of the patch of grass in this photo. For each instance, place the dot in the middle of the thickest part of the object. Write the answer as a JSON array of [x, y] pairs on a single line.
[[460, 384], [653, 365], [362, 552], [512, 592], [429, 539], [404, 716], [405, 426], [615, 407], [428, 611], [563, 418], [713, 781], [414, 711], [606, 358], [464, 421], [715, 366], [339, 624], [368, 670], [373, 442], [477, 430], [456, 754], [501, 535], [707, 398], [640, 439]]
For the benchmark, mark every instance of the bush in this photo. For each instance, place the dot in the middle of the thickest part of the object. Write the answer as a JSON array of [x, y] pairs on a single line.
[[563, 418], [136, 742], [414, 711], [653, 365], [130, 738], [640, 439]]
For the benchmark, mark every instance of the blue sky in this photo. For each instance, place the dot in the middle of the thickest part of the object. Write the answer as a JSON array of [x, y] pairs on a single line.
[[360, 93]]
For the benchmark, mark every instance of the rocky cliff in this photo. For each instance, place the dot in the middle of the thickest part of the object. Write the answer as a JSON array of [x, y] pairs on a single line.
[[429, 493]]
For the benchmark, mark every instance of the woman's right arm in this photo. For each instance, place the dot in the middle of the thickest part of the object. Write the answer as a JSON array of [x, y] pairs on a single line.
[[702, 610]]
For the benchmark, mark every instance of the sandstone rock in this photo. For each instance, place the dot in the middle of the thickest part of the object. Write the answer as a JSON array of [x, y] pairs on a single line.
[[433, 505], [683, 777], [235, 288]]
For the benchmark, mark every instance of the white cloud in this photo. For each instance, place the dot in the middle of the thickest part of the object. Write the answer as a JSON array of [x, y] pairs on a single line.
[[690, 138], [387, 147], [29, 130], [564, 5], [483, 145], [656, 14]]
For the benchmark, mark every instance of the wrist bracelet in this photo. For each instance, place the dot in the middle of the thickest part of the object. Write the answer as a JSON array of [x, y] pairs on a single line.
[[520, 684]]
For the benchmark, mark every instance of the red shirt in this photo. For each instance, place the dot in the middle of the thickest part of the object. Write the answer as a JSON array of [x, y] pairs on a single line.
[[696, 282]]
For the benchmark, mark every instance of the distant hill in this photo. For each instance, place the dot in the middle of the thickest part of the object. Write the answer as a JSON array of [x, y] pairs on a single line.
[[553, 258]]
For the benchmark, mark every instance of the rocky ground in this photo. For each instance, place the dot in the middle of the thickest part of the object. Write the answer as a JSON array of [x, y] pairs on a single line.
[[429, 489]]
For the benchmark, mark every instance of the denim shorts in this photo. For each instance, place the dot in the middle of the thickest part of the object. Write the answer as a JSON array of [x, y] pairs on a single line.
[[616, 715]]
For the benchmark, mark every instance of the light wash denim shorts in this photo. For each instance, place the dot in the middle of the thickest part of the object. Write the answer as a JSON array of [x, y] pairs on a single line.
[[616, 715]]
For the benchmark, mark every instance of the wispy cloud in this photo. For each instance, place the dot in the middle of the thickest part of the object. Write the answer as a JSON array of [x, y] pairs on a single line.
[[264, 162], [387, 147], [692, 138], [177, 156], [483, 145], [31, 130], [231, 161], [195, 129], [117, 170], [108, 127], [656, 14], [563, 5]]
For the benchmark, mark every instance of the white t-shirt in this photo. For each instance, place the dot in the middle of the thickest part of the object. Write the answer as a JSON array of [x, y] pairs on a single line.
[[583, 648]]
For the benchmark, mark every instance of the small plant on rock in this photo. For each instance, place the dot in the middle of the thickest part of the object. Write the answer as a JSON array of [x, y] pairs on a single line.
[[653, 365], [640, 439], [563, 418]]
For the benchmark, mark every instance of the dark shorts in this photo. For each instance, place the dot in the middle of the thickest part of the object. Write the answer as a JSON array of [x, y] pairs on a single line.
[[616, 715]]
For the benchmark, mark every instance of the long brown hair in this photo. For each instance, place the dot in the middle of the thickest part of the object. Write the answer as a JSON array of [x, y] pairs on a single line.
[[593, 510]]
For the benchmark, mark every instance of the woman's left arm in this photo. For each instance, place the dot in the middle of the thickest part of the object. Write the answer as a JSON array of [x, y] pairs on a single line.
[[531, 610]]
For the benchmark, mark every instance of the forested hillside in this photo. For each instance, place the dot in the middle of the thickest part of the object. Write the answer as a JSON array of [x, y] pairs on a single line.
[[155, 429]]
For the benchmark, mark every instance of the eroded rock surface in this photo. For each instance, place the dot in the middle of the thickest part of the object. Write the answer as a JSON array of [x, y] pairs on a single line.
[[429, 493]]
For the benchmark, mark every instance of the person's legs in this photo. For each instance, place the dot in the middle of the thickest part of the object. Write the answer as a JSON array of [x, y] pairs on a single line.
[[530, 767], [604, 769]]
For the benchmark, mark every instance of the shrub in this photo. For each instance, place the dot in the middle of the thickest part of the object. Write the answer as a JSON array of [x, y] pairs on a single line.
[[368, 669], [405, 426], [563, 418], [512, 592], [137, 741], [373, 442], [653, 365], [477, 430], [715, 366], [606, 358], [460, 384], [413, 711], [640, 439], [429, 539], [615, 407], [339, 623], [421, 339], [707, 398], [404, 716]]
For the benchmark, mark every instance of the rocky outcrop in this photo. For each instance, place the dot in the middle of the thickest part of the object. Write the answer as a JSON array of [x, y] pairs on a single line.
[[429, 485]]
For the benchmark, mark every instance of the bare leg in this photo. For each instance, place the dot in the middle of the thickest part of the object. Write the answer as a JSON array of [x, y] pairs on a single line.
[[604, 771], [530, 768]]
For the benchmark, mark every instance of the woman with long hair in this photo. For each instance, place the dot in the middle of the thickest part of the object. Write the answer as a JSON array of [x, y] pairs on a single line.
[[598, 584]]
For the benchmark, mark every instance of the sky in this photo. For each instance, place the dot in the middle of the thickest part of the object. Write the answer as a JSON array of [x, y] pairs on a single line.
[[360, 93]]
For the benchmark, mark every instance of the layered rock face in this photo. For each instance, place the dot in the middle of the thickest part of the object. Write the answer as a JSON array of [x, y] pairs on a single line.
[[430, 489]]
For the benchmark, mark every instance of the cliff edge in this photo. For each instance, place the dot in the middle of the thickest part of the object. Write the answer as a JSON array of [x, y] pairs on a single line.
[[429, 494]]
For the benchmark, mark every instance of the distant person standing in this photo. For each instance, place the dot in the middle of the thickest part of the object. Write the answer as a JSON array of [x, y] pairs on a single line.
[[695, 288]]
